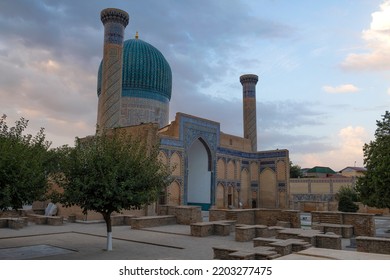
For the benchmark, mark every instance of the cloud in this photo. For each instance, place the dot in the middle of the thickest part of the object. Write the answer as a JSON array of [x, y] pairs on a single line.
[[50, 52], [377, 40], [346, 88], [350, 150]]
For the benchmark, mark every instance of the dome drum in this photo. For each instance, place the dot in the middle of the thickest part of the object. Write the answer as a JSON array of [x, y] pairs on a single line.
[[146, 84]]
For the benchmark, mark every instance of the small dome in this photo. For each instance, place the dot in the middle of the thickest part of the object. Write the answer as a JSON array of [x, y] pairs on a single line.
[[146, 73]]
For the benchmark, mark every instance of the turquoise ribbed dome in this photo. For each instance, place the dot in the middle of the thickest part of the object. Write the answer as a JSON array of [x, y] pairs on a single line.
[[146, 73]]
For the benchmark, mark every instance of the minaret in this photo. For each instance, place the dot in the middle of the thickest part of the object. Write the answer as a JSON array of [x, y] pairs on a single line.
[[249, 82], [109, 104]]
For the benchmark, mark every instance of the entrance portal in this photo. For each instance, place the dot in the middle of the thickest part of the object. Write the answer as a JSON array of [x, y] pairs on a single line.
[[199, 175]]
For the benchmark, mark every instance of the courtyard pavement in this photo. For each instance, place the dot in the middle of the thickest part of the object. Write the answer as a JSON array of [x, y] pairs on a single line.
[[87, 241]]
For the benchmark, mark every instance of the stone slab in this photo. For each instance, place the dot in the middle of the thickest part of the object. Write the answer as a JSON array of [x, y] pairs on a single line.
[[30, 252]]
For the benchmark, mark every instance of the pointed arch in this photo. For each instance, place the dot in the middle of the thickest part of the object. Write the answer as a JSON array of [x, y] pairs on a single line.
[[230, 202], [268, 188], [175, 164], [209, 162], [162, 156], [245, 188], [198, 189], [220, 196], [231, 170], [221, 169], [173, 194], [254, 171]]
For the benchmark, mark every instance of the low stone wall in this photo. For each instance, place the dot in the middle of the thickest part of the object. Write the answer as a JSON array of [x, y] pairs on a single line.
[[152, 221], [309, 206], [268, 217], [202, 229], [20, 213], [346, 231], [244, 233], [329, 241], [241, 216], [328, 217], [185, 215], [373, 245], [257, 216], [55, 220], [363, 224], [13, 223], [292, 216], [271, 217], [372, 210], [3, 222], [122, 220], [217, 215], [46, 220], [76, 212]]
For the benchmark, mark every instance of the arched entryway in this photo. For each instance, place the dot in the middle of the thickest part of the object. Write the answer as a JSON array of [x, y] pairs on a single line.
[[199, 174]]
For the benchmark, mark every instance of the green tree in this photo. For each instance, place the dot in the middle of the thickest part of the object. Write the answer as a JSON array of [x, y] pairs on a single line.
[[110, 173], [374, 187], [24, 165], [295, 171], [346, 198]]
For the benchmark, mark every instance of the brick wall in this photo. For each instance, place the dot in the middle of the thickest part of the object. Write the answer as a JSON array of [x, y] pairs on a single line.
[[292, 216], [327, 217], [363, 224], [329, 241], [373, 245], [258, 216], [9, 213], [217, 215], [185, 215], [270, 217], [241, 216], [267, 217]]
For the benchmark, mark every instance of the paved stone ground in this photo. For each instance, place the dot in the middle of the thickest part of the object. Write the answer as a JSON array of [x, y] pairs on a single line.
[[87, 241], [78, 241], [31, 252]]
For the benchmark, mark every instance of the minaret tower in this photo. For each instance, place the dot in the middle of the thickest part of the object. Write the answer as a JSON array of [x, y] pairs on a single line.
[[249, 82], [109, 104]]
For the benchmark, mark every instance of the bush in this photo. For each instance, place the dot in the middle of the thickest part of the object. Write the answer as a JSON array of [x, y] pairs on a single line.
[[347, 205], [347, 197]]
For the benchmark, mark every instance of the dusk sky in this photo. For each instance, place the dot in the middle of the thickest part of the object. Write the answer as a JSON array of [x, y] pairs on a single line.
[[323, 67]]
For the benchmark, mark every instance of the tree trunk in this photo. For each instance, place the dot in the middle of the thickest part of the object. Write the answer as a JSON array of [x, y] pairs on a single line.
[[107, 219]]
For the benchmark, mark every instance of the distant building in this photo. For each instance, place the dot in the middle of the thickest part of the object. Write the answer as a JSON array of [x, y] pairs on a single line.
[[353, 171], [320, 172], [316, 191]]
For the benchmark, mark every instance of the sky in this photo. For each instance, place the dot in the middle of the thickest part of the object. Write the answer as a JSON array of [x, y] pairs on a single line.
[[323, 67]]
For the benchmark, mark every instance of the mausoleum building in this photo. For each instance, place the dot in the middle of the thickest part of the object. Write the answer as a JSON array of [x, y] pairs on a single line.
[[210, 168]]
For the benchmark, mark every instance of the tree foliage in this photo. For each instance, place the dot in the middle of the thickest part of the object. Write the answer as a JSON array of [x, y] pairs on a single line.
[[24, 165], [110, 173], [374, 187], [346, 197], [295, 171]]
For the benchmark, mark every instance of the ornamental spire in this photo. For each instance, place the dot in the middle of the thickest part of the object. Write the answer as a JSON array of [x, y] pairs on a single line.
[[136, 35]]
